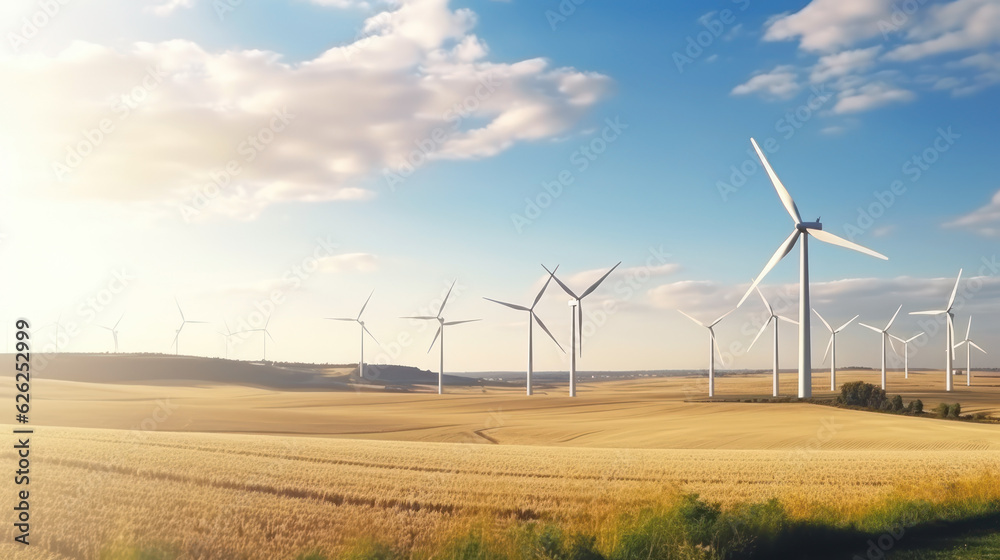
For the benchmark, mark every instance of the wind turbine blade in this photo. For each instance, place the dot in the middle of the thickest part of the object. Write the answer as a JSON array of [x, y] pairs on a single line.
[[894, 337], [197, 322], [828, 346], [832, 239], [228, 330], [822, 319], [598, 283], [954, 291], [118, 321], [692, 318], [546, 329], [366, 304], [460, 322], [786, 199], [893, 346], [870, 327], [914, 338], [510, 305], [446, 296], [544, 287], [268, 333], [969, 329], [353, 320], [783, 250], [421, 317], [371, 335], [893, 317], [105, 328], [179, 308], [718, 351], [724, 315], [764, 299], [760, 332], [786, 319], [579, 317], [176, 336], [936, 312], [976, 346], [844, 326], [436, 335], [561, 285]]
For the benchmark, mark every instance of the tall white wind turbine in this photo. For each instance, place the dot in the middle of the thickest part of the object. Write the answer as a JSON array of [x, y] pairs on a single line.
[[969, 345], [949, 349], [184, 321], [363, 331], [832, 345], [906, 353], [576, 320], [532, 319], [802, 230], [440, 334], [265, 334], [885, 336], [712, 348], [114, 331], [772, 317]]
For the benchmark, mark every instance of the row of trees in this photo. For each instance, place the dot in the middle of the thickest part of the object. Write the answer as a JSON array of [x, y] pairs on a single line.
[[866, 395]]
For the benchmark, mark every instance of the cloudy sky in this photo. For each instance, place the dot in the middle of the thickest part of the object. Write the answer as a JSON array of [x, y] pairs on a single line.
[[287, 157]]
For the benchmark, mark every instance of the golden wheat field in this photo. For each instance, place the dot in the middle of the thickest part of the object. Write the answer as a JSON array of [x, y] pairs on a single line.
[[214, 472]]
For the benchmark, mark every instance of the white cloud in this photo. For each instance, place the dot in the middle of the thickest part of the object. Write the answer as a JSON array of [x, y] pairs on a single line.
[[357, 109], [780, 83], [167, 7], [870, 96], [844, 63], [829, 25], [984, 221], [956, 26]]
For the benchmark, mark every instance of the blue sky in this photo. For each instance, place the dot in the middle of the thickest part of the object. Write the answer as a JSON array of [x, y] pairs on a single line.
[[363, 98]]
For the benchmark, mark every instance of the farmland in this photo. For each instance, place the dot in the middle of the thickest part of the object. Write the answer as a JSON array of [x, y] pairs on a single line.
[[243, 472]]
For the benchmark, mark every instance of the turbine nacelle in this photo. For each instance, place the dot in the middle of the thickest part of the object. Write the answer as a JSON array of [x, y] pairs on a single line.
[[803, 226]]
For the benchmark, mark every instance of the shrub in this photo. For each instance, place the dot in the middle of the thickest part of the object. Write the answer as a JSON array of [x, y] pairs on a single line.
[[859, 393], [942, 410], [955, 411], [918, 406], [980, 416], [896, 404]]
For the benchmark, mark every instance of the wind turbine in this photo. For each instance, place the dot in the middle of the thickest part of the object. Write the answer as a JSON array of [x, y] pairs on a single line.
[[832, 345], [265, 334], [532, 315], [576, 319], [712, 348], [772, 317], [227, 335], [440, 333], [969, 345], [906, 354], [885, 336], [184, 321], [364, 329], [802, 230], [114, 331], [949, 350]]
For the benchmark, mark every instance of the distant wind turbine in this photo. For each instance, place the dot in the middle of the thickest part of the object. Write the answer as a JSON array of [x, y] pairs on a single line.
[[114, 331], [772, 317], [227, 335], [969, 345], [832, 345], [576, 319], [712, 348], [906, 353], [440, 334], [184, 321], [885, 337], [265, 334], [532, 319], [949, 350], [364, 329], [802, 230]]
